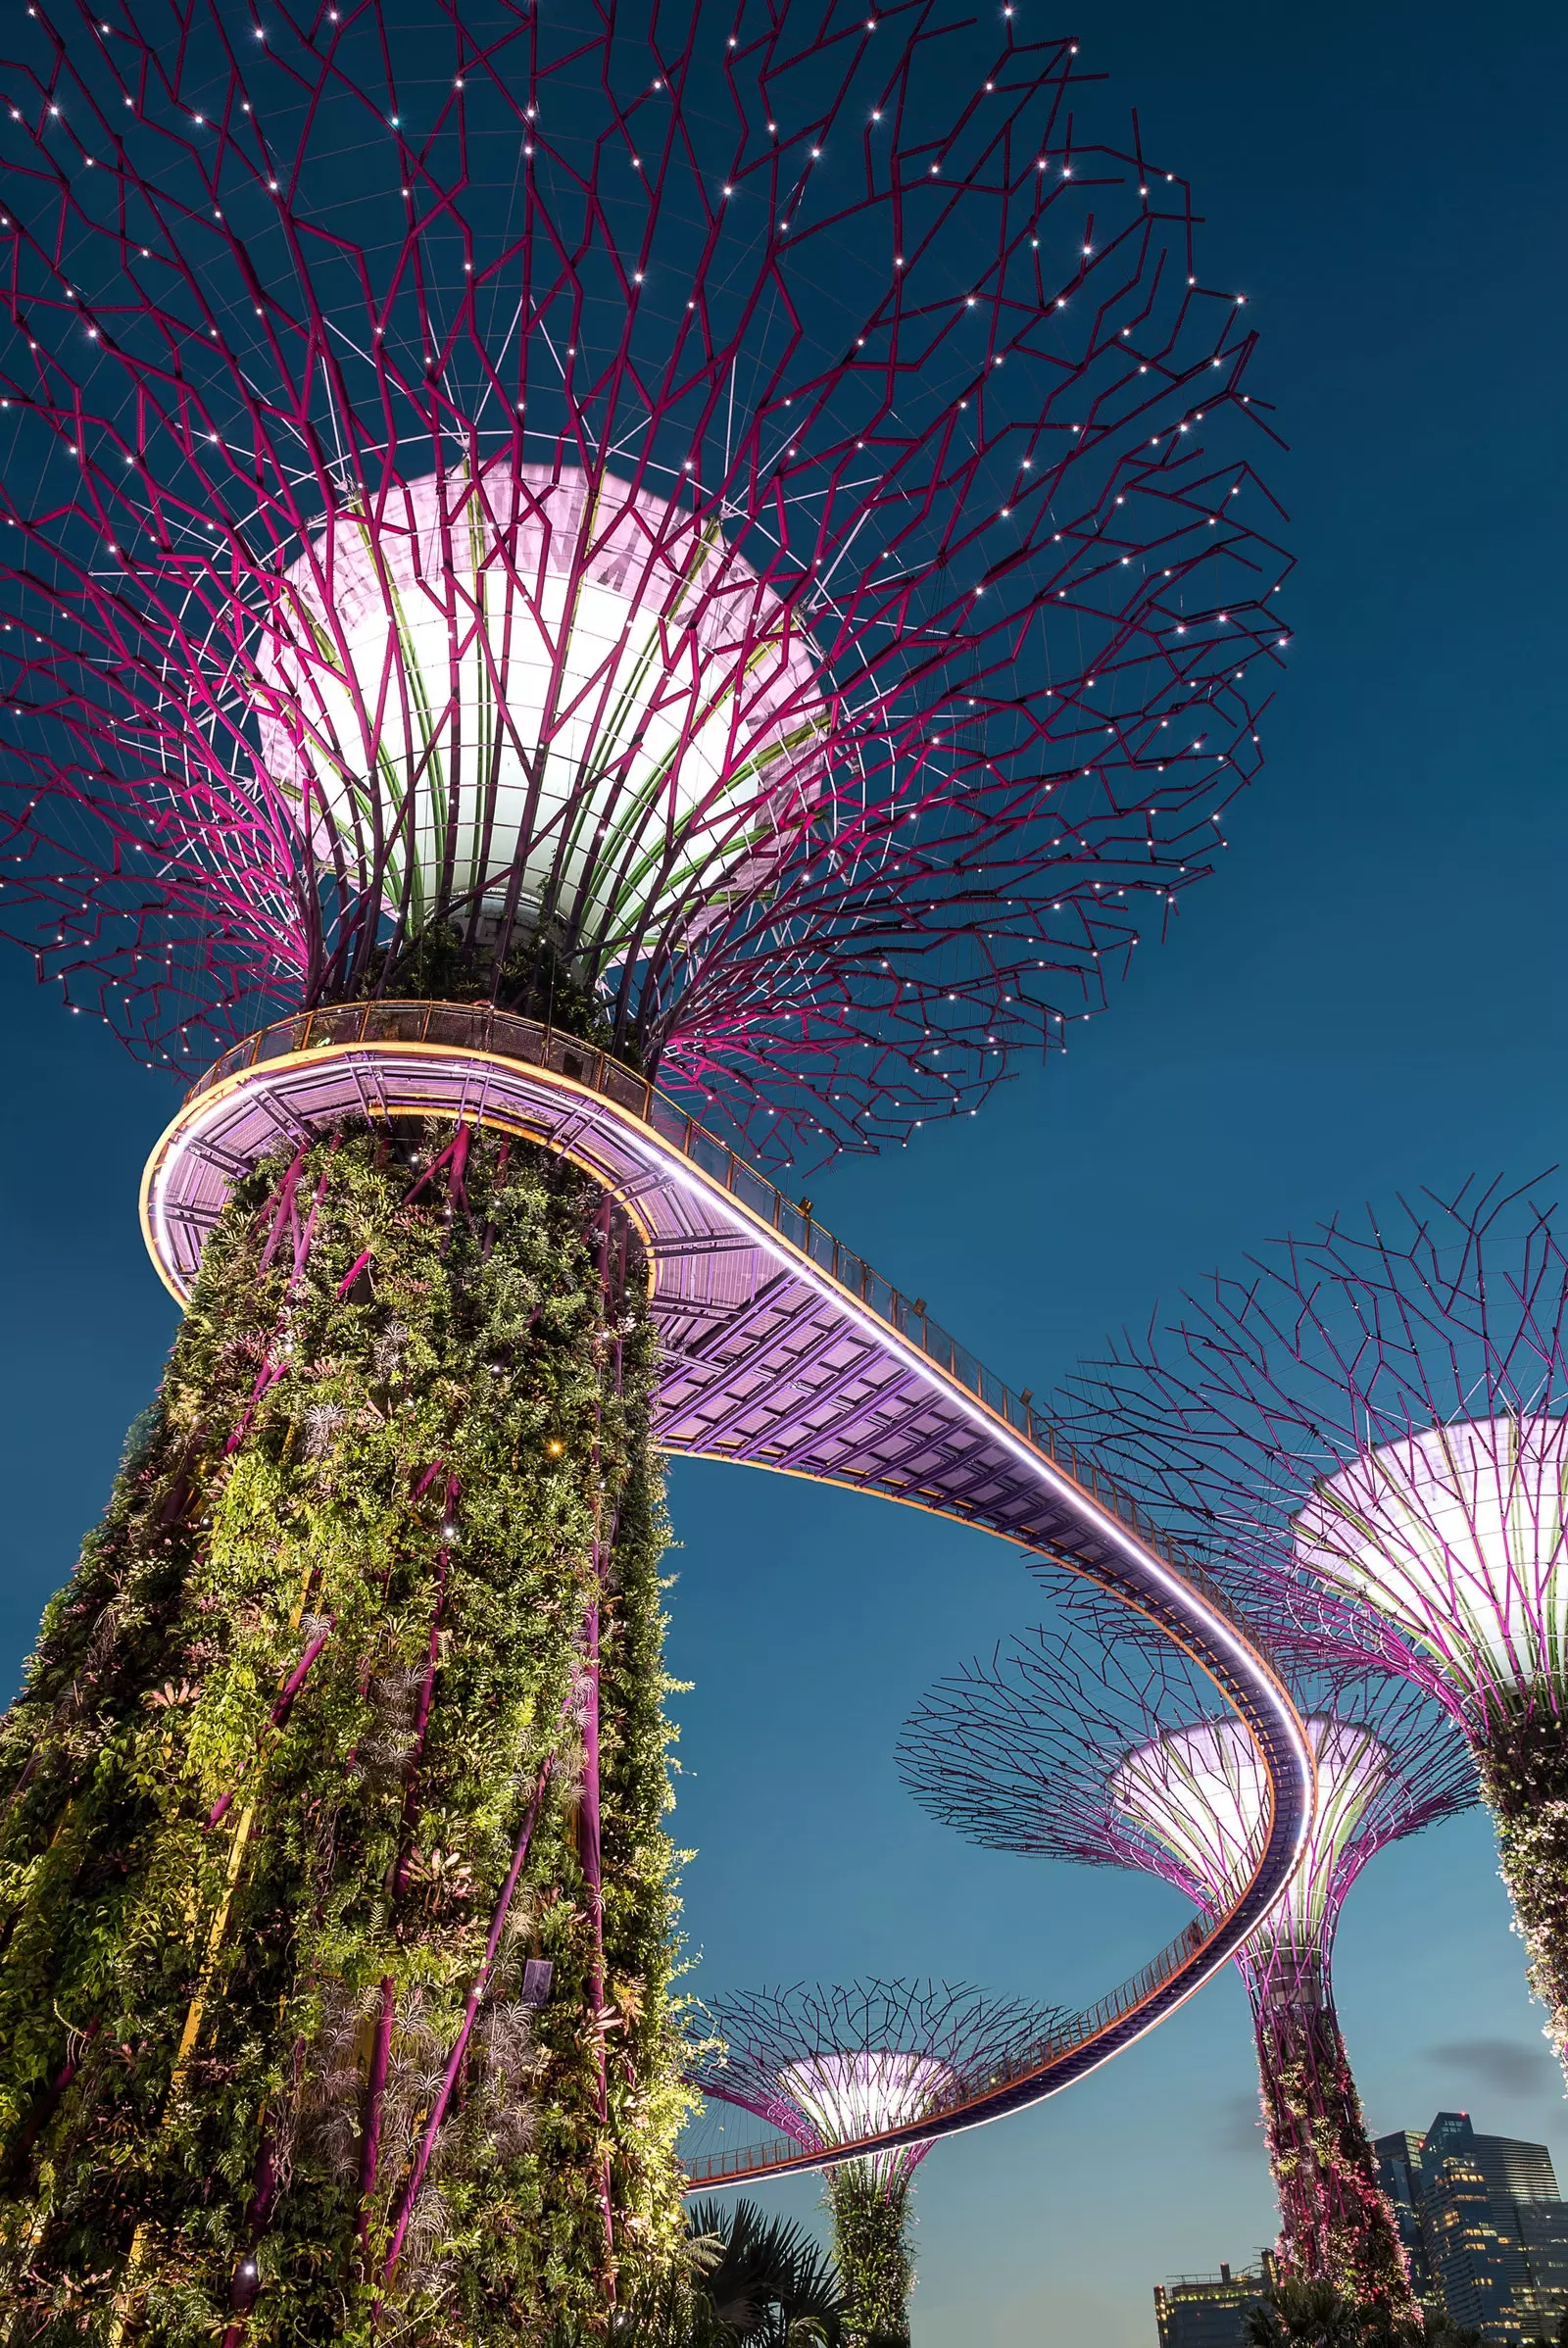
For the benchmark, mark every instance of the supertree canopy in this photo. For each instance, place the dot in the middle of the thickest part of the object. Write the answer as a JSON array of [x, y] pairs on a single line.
[[736, 523], [1368, 1424], [833, 2064], [729, 530], [1081, 1744]]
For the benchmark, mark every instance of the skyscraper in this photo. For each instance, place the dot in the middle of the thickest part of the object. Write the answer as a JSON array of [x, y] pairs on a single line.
[[1482, 2225], [1210, 2311], [1518, 2170], [1399, 2167]]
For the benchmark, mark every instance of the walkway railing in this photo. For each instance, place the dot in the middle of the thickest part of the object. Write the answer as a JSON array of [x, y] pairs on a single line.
[[530, 1043], [1026, 2062], [477, 1027]]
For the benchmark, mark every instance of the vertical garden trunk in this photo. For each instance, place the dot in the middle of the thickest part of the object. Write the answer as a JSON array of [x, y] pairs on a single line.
[[1524, 1779], [335, 1904], [870, 2215], [1335, 2224]]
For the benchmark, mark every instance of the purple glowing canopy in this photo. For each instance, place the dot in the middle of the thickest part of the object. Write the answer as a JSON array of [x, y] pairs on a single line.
[[762, 500]]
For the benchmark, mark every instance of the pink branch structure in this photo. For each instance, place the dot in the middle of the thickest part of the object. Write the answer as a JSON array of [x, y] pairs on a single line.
[[1081, 1744], [1368, 1424], [834, 2065], [829, 2064], [741, 523]]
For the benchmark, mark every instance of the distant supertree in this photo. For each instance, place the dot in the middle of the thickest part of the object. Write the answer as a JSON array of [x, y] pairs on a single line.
[[1370, 1425], [1079, 1745], [728, 528], [828, 2065]]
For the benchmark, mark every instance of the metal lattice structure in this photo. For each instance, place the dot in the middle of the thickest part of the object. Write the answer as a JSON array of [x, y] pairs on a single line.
[[829, 2064], [1369, 1424], [1080, 1742], [742, 518], [833, 2066]]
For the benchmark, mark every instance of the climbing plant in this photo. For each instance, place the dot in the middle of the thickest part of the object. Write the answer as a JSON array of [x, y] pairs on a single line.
[[336, 1906], [1335, 2225], [1523, 1751], [872, 2252]]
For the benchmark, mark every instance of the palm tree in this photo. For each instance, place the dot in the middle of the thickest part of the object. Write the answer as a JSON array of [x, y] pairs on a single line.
[[1314, 2315], [771, 2282], [746, 2282], [1306, 2315]]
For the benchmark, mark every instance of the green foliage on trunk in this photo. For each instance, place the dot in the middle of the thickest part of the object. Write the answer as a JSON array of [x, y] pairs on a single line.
[[872, 2252], [260, 1794], [1524, 1778], [1335, 2225]]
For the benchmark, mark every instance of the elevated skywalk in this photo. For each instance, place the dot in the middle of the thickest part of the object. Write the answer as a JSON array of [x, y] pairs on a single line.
[[782, 1349]]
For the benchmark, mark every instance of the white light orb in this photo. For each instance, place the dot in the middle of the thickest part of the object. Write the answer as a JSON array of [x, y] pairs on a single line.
[[1457, 1536], [1203, 1794], [844, 2095], [521, 679]]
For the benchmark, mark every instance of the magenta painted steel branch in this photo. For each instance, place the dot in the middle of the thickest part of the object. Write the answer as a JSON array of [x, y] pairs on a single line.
[[591, 1856], [590, 1846], [404, 2209], [958, 594], [453, 1161], [398, 1883], [589, 1814], [281, 1710], [284, 1210], [48, 2103], [246, 2282], [271, 1369]]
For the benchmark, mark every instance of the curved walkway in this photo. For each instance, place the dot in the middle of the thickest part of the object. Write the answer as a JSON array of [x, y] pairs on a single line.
[[783, 1351]]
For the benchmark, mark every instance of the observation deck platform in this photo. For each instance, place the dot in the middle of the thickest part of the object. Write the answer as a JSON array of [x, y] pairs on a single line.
[[782, 1349]]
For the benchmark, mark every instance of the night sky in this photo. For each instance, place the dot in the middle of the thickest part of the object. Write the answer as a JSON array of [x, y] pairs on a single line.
[[1366, 999]]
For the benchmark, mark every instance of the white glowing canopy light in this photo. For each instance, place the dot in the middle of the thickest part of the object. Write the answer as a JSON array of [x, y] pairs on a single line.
[[1457, 1535], [587, 681], [858, 2094], [1203, 1794]]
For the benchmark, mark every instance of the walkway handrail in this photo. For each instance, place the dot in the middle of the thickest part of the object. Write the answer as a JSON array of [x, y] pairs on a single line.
[[404, 1058], [532, 1043], [979, 2088]]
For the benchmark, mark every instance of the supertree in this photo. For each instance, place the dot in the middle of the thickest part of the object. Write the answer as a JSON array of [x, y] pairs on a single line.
[[721, 528], [1081, 1743], [831, 2065], [1368, 1423]]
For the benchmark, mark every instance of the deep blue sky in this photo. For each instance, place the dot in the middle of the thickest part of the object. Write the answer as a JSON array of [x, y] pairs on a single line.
[[1369, 997]]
